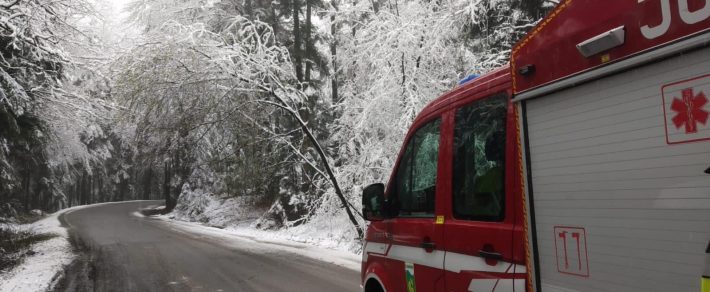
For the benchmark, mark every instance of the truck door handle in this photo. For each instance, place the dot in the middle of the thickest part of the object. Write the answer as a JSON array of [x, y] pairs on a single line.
[[490, 255], [428, 245], [707, 170]]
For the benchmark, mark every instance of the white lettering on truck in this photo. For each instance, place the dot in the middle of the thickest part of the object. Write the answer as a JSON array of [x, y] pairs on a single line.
[[685, 14], [695, 16], [661, 29]]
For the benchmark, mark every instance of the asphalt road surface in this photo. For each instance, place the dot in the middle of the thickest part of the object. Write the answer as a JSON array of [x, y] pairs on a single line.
[[124, 252]]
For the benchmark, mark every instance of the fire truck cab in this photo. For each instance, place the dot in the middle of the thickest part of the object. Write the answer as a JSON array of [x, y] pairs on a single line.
[[448, 220], [583, 166]]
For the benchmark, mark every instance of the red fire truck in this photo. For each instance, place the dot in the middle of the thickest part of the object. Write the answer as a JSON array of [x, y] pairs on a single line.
[[583, 166]]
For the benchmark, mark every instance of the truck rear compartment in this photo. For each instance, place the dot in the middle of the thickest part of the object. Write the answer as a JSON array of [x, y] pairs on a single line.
[[619, 204]]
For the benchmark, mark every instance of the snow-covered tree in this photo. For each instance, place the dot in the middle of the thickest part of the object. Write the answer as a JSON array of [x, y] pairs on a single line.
[[297, 104], [49, 99], [237, 97]]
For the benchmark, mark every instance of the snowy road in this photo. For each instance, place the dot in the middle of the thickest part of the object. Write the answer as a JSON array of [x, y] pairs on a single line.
[[130, 253]]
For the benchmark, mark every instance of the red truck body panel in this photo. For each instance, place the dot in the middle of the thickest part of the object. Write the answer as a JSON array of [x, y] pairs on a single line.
[[551, 45]]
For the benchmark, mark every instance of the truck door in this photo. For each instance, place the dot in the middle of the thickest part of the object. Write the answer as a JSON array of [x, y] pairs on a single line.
[[479, 233], [414, 260]]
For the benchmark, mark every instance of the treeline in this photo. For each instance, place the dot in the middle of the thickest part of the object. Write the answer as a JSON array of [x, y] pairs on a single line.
[[298, 103], [35, 161], [58, 140], [295, 104]]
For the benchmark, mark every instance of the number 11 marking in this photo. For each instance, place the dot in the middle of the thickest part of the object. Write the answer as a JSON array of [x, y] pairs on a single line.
[[563, 235], [579, 254], [563, 252]]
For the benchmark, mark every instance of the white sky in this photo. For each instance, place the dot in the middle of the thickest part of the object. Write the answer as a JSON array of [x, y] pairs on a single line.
[[119, 3], [118, 6], [118, 32]]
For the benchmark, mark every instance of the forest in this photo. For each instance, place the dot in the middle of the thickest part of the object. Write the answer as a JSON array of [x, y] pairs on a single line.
[[288, 107]]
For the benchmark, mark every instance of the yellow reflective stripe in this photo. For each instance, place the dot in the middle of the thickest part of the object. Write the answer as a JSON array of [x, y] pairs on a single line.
[[704, 284], [528, 258]]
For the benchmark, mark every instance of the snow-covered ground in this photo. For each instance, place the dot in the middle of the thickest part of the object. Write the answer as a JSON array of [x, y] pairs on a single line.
[[326, 237], [270, 240], [41, 271]]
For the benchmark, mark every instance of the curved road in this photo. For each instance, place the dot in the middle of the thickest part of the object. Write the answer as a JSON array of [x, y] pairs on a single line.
[[130, 253]]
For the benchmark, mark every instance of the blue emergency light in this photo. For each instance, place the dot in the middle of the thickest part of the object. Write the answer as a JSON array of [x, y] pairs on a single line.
[[468, 78]]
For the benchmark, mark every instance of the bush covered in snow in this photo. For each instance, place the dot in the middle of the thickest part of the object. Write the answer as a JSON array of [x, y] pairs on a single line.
[[213, 210]]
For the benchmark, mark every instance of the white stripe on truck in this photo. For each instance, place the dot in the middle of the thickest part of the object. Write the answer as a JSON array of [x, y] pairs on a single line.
[[415, 255], [455, 262]]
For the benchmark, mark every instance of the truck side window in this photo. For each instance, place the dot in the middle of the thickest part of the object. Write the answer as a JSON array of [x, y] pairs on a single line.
[[415, 182], [479, 152]]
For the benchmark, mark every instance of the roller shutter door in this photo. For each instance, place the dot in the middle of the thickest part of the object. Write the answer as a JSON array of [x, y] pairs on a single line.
[[617, 207]]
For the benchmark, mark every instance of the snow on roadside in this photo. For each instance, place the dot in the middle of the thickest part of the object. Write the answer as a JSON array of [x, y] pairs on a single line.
[[37, 272], [40, 271], [269, 240], [327, 237], [206, 208]]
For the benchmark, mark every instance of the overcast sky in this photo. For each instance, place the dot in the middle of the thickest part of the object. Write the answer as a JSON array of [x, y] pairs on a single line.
[[119, 3], [118, 7]]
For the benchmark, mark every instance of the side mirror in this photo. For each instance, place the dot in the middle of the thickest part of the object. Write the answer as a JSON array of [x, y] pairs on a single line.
[[373, 199]]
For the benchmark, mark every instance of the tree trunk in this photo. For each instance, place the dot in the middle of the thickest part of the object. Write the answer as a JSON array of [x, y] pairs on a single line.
[[89, 184], [321, 154], [404, 77], [176, 170], [28, 177], [274, 20], [166, 186], [309, 39], [333, 58], [100, 188], [76, 196], [147, 182], [122, 188], [95, 189], [334, 181], [297, 55], [82, 195], [249, 10]]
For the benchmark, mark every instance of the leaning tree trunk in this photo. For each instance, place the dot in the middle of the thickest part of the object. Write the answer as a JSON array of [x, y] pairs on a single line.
[[321, 154], [281, 103]]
